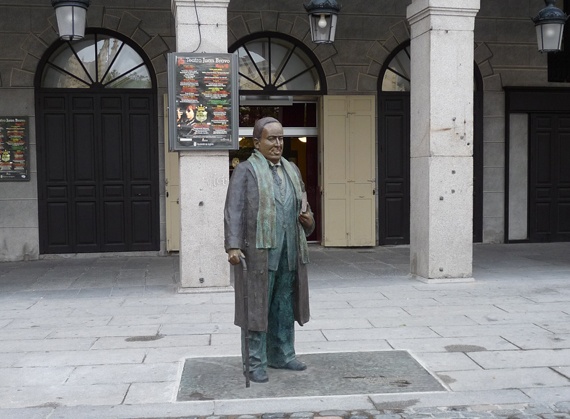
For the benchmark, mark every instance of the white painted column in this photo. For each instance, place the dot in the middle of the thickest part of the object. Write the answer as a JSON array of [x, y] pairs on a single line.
[[201, 26], [442, 48]]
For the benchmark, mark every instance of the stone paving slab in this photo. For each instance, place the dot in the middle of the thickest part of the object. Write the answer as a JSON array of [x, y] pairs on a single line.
[[379, 333], [42, 345], [65, 358], [468, 398], [522, 359], [327, 375], [42, 376], [503, 379], [152, 392], [151, 341], [116, 374], [97, 394], [470, 343], [438, 361]]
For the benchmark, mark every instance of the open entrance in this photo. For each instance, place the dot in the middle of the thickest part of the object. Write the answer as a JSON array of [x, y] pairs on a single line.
[[97, 147], [300, 145], [281, 77]]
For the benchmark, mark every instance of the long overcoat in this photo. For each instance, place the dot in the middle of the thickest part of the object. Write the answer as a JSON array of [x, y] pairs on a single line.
[[240, 222]]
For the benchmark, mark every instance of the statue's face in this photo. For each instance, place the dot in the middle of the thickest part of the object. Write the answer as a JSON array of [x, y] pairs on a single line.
[[271, 142]]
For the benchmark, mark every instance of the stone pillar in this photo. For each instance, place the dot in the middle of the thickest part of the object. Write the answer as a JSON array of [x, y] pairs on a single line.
[[441, 187], [201, 26]]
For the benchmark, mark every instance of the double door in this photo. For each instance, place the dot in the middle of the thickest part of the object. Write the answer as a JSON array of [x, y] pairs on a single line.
[[549, 198], [97, 171]]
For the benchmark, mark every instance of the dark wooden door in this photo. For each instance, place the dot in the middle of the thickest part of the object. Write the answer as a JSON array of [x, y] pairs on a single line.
[[394, 168], [97, 172], [549, 197]]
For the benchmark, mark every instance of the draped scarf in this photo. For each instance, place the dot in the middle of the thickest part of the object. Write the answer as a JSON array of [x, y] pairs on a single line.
[[266, 235]]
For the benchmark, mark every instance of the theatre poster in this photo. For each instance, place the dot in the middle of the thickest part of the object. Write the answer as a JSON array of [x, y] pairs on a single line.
[[203, 101], [14, 143]]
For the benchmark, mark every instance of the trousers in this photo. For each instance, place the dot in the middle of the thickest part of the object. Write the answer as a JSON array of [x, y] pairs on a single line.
[[276, 347]]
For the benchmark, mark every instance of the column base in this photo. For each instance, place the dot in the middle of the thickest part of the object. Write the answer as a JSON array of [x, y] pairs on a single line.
[[442, 280], [204, 290]]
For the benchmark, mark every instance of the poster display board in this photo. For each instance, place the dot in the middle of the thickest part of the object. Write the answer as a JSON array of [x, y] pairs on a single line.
[[14, 143], [203, 101]]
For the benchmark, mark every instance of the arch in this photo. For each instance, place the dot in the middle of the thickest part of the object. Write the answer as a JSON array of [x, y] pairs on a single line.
[[35, 46], [395, 72], [97, 137], [103, 59], [273, 63]]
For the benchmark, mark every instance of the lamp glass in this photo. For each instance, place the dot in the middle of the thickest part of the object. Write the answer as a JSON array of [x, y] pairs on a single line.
[[549, 36], [323, 33], [71, 22]]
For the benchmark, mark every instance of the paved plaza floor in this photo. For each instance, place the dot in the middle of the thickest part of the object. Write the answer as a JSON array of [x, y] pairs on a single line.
[[108, 337]]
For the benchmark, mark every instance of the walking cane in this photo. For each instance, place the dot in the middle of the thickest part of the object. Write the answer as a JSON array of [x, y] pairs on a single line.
[[246, 312]]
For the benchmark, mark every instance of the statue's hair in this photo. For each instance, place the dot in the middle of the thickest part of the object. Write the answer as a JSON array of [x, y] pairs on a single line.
[[260, 124]]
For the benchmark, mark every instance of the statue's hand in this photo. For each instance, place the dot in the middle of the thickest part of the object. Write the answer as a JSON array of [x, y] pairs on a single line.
[[234, 255], [306, 219]]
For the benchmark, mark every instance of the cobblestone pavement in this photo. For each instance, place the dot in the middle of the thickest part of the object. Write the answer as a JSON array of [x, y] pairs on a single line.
[[557, 411]]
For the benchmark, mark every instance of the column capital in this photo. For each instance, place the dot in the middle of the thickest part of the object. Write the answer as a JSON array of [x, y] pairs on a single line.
[[421, 9], [200, 3], [182, 4]]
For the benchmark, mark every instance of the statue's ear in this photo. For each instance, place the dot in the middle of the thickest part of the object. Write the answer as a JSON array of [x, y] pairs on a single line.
[[256, 143]]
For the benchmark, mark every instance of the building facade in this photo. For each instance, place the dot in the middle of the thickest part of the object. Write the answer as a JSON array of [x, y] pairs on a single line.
[[99, 177]]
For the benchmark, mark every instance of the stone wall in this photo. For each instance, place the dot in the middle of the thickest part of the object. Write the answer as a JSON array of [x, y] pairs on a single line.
[[27, 29], [505, 52]]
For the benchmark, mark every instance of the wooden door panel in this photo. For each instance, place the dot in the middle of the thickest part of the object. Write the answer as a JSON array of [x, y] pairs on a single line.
[[362, 173], [55, 148], [394, 169], [564, 218], [86, 226], [99, 189], [113, 147], [84, 148], [114, 225], [57, 222], [140, 164], [141, 224], [549, 204], [348, 171]]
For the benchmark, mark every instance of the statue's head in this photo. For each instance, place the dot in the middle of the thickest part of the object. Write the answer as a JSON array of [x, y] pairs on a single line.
[[268, 138]]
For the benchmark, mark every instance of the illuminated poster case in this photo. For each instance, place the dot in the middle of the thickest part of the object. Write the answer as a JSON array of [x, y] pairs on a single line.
[[14, 156], [203, 101]]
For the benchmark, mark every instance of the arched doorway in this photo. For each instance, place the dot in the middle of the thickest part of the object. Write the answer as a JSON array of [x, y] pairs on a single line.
[[96, 122], [394, 149], [281, 77]]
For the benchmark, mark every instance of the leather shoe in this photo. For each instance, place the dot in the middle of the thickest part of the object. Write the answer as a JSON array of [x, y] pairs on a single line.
[[294, 365], [258, 376]]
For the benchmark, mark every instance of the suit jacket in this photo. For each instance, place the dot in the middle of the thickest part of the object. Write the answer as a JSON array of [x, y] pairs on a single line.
[[240, 223]]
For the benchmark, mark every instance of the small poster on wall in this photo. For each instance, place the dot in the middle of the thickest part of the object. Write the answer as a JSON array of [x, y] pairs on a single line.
[[203, 101], [14, 156]]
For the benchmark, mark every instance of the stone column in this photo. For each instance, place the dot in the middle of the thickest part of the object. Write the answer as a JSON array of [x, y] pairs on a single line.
[[441, 187], [201, 26]]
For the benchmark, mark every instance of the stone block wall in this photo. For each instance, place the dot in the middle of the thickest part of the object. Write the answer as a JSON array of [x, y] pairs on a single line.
[[27, 29], [505, 53]]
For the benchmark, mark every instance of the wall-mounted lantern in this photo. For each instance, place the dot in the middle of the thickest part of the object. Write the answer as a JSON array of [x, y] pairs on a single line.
[[322, 18], [549, 27], [71, 16]]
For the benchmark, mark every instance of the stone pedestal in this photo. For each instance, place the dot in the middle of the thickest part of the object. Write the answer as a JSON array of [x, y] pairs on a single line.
[[441, 224], [201, 26]]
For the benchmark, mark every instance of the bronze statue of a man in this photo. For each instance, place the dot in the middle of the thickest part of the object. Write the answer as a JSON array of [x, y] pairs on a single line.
[[267, 220]]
